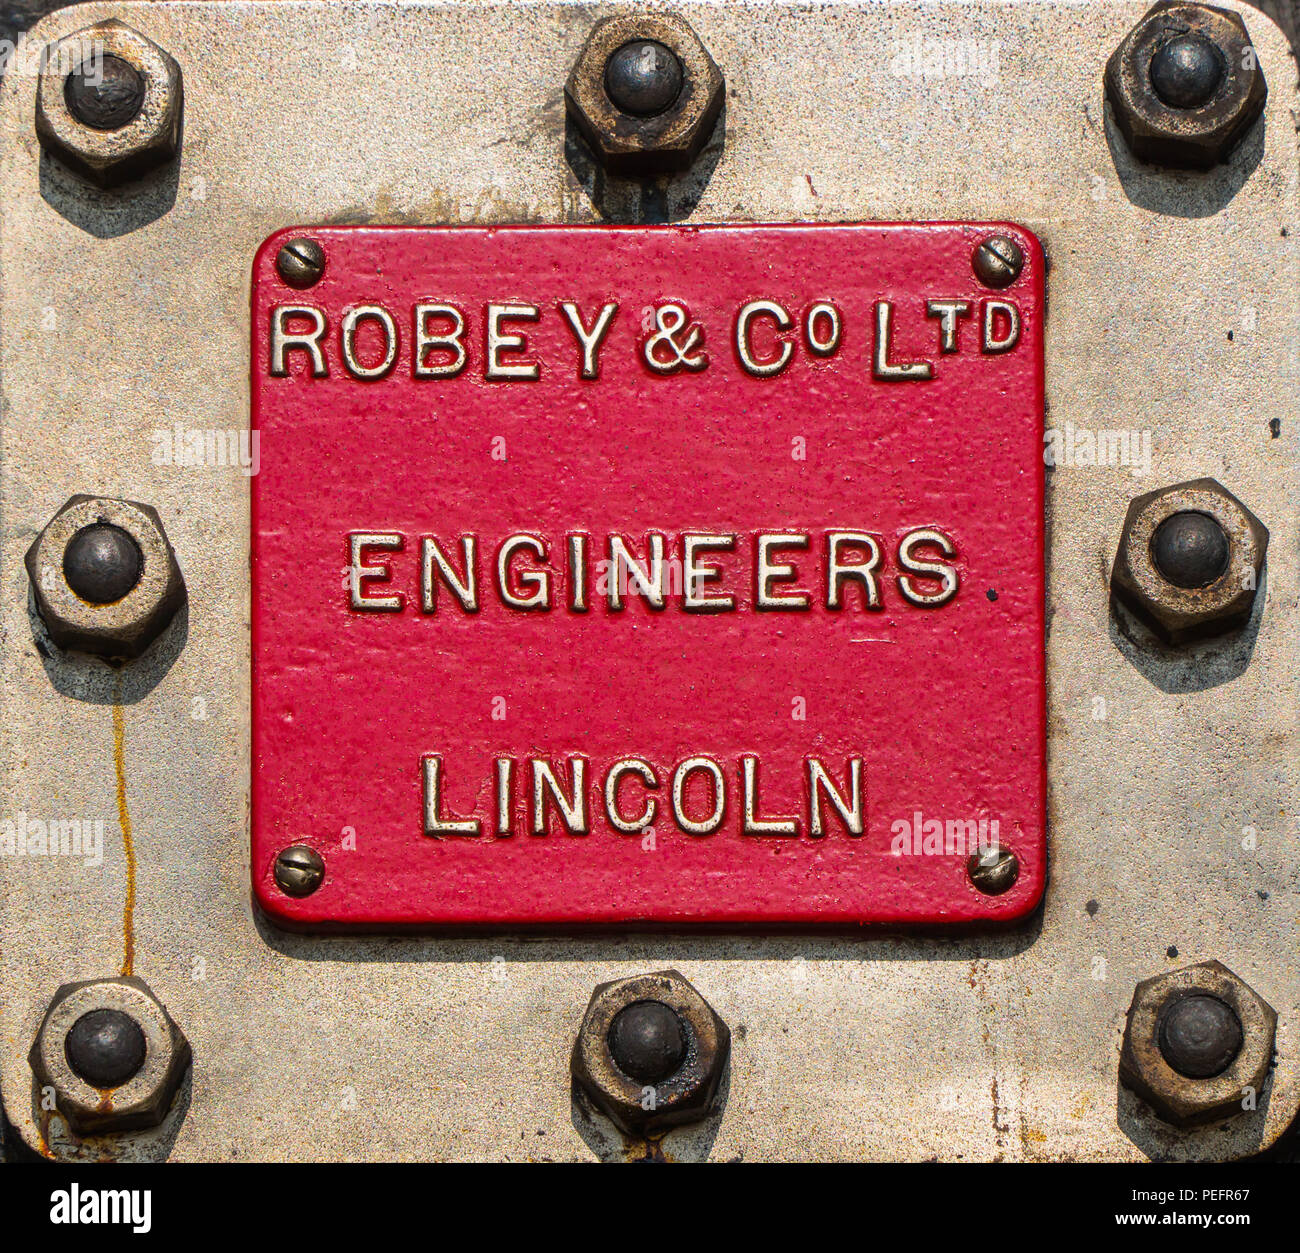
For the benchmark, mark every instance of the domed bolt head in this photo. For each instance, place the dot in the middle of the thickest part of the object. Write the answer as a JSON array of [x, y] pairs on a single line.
[[1187, 71], [299, 870], [102, 563], [105, 1047], [105, 94], [301, 262], [1199, 1036], [998, 261], [1190, 549], [643, 78], [647, 1042]]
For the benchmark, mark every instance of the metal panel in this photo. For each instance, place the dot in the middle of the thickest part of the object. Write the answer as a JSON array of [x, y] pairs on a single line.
[[1172, 778]]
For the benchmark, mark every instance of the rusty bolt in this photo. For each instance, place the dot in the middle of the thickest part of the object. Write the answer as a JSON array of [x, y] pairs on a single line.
[[1190, 560], [645, 93], [1185, 85], [112, 1054], [299, 870], [117, 114], [650, 1052], [105, 577], [1197, 1044]]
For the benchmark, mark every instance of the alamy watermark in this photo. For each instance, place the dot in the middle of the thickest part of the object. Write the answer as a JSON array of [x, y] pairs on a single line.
[[33, 57], [21, 836], [919, 836], [211, 449], [926, 58], [1080, 446]]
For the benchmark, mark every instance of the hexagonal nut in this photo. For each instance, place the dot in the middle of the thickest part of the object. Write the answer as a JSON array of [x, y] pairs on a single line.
[[1178, 614], [686, 1095], [144, 1099], [629, 145], [121, 628], [110, 157], [1175, 1098], [1195, 138]]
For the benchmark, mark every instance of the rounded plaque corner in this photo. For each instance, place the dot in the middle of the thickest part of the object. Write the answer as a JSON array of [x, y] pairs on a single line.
[[1024, 906], [274, 906]]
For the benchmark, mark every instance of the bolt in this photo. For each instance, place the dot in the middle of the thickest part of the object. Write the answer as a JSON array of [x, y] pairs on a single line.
[[117, 116], [102, 563], [643, 78], [110, 1054], [998, 261], [1190, 549], [645, 94], [1187, 71], [299, 870], [301, 262], [651, 1029], [1185, 85], [993, 872], [1190, 561], [109, 99], [647, 1042], [105, 1047], [1199, 1036], [1197, 1042]]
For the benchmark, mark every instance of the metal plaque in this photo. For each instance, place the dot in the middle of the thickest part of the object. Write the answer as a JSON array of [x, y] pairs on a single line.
[[670, 575]]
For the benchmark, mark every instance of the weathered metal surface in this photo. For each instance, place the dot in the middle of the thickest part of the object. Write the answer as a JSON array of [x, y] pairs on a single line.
[[1172, 778], [667, 623]]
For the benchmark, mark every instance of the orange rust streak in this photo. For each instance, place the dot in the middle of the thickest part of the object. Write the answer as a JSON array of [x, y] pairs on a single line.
[[43, 1135], [124, 819]]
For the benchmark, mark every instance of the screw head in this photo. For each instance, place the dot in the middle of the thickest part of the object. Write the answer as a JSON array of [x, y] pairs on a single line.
[[301, 262], [643, 78], [299, 870], [647, 1041], [102, 563], [1199, 1036], [108, 99], [1187, 71], [997, 262], [105, 1047], [1190, 549], [995, 872]]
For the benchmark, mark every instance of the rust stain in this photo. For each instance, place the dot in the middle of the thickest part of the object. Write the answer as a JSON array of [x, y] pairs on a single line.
[[43, 1135], [124, 820], [648, 1150]]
